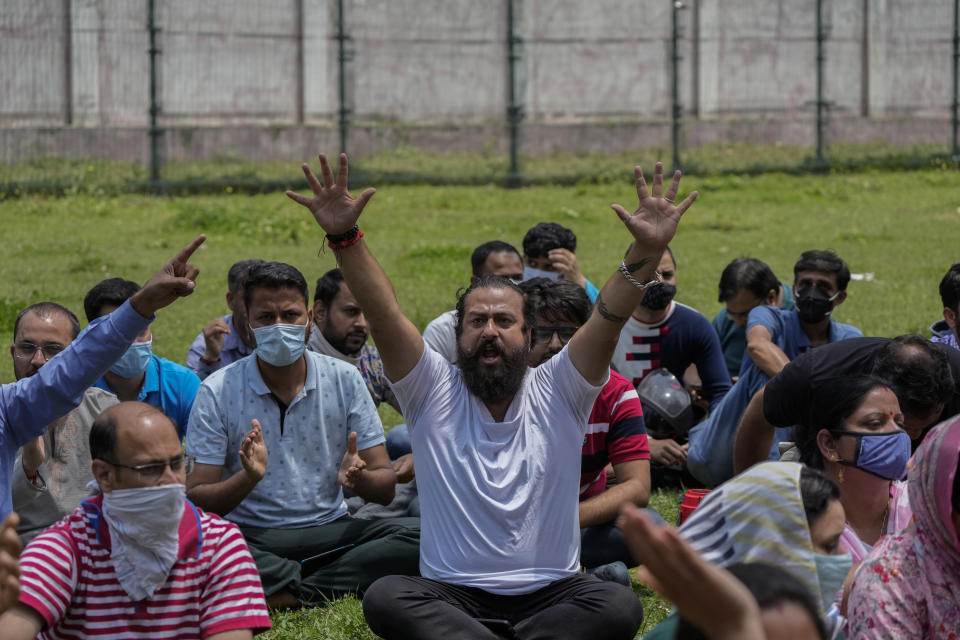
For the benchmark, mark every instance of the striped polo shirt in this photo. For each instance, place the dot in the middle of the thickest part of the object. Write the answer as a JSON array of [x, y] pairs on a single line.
[[213, 587]]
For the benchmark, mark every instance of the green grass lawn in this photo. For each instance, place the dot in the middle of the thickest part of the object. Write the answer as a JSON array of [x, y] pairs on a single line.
[[899, 226]]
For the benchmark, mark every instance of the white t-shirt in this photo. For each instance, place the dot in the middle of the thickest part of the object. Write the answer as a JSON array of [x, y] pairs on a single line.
[[441, 335], [498, 500]]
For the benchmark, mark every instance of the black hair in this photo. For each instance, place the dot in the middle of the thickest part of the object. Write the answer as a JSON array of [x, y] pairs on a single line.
[[274, 275], [328, 286], [831, 405], [747, 273], [918, 371], [546, 236], [817, 492], [816, 260], [950, 288], [770, 586], [47, 310], [492, 282], [481, 253], [556, 300], [238, 273], [111, 292]]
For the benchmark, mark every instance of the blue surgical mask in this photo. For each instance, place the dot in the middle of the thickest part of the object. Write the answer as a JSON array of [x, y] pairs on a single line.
[[831, 573], [530, 272], [882, 454], [280, 344], [134, 360]]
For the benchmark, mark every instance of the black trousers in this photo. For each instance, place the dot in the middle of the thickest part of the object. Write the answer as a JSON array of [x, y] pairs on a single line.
[[581, 606]]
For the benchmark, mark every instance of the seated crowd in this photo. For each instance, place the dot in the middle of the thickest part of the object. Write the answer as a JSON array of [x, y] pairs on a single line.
[[162, 500]]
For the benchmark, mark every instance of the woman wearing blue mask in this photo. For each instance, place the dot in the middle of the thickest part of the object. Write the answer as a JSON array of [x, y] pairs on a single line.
[[857, 439], [909, 586]]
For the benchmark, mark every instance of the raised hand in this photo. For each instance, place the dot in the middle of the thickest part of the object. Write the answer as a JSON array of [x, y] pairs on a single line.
[[9, 567], [334, 209], [565, 261], [654, 223], [214, 335], [175, 279], [253, 452], [352, 465]]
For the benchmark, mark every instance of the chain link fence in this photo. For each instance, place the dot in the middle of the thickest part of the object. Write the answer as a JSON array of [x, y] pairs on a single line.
[[180, 95]]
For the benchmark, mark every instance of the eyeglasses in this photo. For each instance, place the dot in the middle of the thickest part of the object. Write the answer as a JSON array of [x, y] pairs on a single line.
[[545, 334], [152, 472], [26, 350]]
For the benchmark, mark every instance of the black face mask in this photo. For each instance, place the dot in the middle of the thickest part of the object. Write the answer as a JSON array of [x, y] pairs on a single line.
[[658, 296], [814, 304]]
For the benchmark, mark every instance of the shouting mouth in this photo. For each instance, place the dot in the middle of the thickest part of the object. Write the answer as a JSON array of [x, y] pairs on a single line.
[[490, 353]]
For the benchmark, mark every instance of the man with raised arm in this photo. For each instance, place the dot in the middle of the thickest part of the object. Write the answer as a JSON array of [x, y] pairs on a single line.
[[28, 405], [497, 444]]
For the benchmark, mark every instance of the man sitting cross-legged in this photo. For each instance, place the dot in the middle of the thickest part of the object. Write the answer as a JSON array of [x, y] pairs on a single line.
[[138, 560], [615, 436], [497, 445], [314, 419]]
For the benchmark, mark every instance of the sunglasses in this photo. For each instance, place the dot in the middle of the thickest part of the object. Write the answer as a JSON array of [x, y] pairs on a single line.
[[545, 334]]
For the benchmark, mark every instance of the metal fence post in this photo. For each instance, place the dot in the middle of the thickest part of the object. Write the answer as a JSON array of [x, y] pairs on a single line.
[[67, 63], [343, 56], [820, 160], [514, 106], [956, 77], [156, 132], [676, 110]]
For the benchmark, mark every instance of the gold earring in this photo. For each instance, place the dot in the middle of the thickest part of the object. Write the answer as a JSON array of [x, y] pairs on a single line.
[[840, 476]]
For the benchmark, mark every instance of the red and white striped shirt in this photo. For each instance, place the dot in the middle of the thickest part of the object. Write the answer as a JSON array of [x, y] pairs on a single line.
[[615, 433], [67, 577]]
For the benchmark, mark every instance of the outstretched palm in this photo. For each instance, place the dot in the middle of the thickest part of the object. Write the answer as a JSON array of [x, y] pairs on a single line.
[[334, 209], [654, 223]]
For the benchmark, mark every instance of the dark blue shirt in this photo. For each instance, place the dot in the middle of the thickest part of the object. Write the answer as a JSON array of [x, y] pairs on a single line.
[[682, 338]]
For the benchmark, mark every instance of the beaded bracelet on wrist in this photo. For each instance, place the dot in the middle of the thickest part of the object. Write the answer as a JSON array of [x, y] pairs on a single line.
[[343, 240]]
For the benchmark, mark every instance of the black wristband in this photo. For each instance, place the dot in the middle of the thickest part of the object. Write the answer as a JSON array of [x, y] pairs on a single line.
[[345, 236]]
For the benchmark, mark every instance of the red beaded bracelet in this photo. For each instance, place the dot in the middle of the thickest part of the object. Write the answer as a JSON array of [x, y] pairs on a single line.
[[344, 240]]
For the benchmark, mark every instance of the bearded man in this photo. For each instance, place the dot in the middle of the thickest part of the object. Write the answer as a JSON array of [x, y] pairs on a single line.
[[497, 445]]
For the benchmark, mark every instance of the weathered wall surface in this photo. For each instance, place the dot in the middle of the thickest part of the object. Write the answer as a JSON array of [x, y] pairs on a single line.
[[261, 78]]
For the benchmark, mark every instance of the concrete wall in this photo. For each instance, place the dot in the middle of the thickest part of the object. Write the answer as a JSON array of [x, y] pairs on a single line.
[[260, 78]]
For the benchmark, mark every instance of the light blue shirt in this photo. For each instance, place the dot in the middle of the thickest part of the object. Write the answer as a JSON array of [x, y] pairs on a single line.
[[169, 386], [300, 488], [27, 406], [710, 457], [233, 350]]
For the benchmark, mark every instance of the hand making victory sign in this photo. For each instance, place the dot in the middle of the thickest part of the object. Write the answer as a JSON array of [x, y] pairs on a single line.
[[334, 209]]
